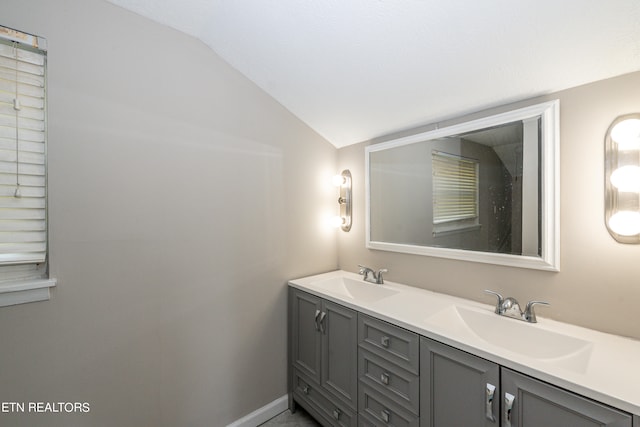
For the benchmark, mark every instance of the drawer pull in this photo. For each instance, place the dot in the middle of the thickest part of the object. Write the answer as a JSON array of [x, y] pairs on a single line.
[[305, 389], [384, 378], [336, 414], [490, 393], [385, 414], [384, 341], [508, 408]]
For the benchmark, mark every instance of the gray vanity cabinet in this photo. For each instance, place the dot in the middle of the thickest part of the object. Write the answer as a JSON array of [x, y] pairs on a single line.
[[528, 402], [457, 388], [350, 369], [460, 389], [323, 352]]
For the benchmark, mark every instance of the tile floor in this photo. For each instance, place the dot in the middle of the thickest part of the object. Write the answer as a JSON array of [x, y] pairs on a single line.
[[287, 419]]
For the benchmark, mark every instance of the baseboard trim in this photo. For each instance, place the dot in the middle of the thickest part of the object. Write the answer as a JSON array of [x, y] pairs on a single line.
[[263, 414]]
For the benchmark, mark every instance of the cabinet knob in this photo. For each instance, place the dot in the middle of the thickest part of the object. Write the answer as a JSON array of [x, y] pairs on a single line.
[[337, 413], [384, 341], [305, 389], [385, 414], [384, 378]]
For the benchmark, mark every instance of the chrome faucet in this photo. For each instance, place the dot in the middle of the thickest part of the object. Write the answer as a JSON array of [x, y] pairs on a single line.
[[372, 276], [509, 307]]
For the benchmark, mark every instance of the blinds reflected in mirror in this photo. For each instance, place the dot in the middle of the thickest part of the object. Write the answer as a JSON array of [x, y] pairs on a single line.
[[455, 187]]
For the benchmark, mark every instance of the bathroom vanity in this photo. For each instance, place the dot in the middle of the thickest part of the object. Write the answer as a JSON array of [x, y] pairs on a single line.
[[362, 354]]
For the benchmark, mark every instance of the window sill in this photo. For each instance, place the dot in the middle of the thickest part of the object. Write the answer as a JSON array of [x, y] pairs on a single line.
[[455, 229], [25, 291]]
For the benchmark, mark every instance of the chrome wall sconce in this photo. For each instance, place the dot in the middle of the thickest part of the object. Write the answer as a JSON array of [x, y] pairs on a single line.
[[622, 178], [343, 181]]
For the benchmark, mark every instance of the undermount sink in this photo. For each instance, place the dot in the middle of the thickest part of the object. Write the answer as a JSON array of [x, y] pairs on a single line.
[[356, 290], [516, 336]]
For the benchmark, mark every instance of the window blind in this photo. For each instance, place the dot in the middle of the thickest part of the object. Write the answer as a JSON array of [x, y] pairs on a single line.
[[455, 187], [23, 221]]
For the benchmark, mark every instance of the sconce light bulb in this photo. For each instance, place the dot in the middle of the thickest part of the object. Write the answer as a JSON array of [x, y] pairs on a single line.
[[338, 180], [626, 179], [625, 223], [627, 134], [337, 221]]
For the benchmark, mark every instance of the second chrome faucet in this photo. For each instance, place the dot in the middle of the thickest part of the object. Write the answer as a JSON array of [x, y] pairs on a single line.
[[372, 276], [509, 307]]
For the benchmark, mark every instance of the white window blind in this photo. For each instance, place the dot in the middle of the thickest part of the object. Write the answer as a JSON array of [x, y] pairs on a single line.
[[23, 222], [455, 187]]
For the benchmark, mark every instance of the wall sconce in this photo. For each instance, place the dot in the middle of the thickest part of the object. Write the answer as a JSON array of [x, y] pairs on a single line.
[[622, 179], [344, 200]]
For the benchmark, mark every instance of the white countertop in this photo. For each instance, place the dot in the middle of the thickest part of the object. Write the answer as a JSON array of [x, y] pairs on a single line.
[[606, 370]]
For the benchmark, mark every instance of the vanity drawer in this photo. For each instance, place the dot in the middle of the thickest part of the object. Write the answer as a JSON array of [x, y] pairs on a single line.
[[375, 410], [306, 391], [390, 342], [395, 383]]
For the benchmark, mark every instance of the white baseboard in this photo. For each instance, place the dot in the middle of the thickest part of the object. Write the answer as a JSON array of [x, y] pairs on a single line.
[[263, 414]]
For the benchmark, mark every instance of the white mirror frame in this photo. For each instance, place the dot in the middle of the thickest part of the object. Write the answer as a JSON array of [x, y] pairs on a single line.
[[550, 183]]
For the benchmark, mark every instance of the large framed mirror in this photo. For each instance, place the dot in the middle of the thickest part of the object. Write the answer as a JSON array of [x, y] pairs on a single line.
[[486, 190]]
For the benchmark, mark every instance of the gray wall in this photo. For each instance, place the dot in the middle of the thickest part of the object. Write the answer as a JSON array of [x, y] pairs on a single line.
[[598, 285], [182, 198]]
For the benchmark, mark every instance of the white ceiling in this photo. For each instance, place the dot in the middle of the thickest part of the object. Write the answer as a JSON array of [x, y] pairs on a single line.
[[357, 69]]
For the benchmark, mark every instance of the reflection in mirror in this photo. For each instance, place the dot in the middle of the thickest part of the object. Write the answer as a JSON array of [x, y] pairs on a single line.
[[481, 191]]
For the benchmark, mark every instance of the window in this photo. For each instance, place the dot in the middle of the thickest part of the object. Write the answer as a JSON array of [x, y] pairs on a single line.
[[23, 192], [455, 188]]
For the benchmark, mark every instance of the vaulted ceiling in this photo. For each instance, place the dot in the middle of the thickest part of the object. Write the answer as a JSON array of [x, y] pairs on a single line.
[[357, 69]]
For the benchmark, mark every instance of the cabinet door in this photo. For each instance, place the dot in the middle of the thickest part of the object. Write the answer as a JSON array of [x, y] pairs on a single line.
[[457, 388], [305, 333], [339, 352], [531, 403]]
